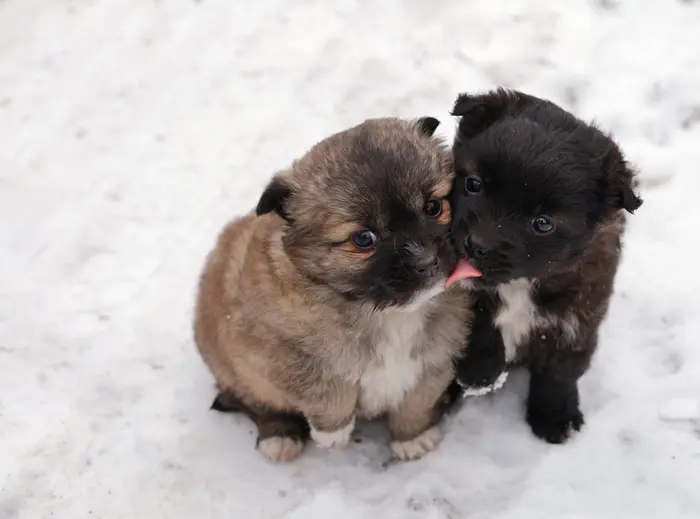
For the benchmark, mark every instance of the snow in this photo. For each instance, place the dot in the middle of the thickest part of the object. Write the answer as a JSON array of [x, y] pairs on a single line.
[[132, 130], [681, 410]]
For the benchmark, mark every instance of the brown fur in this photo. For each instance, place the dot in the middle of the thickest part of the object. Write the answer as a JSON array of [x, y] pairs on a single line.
[[284, 320]]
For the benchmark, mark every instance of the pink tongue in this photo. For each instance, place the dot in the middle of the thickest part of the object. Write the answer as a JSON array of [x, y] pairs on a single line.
[[463, 270]]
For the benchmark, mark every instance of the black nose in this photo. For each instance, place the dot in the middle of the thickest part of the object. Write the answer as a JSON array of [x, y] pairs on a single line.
[[427, 267], [474, 248]]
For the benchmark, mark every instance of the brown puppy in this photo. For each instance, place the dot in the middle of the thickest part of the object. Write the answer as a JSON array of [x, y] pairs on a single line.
[[329, 304]]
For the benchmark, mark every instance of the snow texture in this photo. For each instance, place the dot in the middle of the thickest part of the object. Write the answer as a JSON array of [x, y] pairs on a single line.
[[132, 130]]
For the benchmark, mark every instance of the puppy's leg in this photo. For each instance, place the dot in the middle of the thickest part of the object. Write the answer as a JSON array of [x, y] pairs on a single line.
[[482, 367], [413, 425], [556, 364], [330, 410]]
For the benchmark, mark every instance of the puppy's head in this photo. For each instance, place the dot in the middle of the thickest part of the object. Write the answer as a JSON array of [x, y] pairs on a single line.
[[367, 211], [534, 185]]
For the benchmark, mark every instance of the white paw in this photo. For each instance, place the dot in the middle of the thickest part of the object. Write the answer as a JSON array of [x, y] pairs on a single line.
[[281, 448], [419, 446], [480, 391], [333, 439]]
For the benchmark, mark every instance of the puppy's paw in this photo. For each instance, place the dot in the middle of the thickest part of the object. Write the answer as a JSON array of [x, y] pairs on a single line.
[[333, 439], [414, 449], [281, 448], [483, 390], [482, 370], [556, 428]]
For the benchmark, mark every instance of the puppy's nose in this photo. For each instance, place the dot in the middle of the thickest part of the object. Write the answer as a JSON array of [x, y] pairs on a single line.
[[427, 267], [474, 247], [424, 258]]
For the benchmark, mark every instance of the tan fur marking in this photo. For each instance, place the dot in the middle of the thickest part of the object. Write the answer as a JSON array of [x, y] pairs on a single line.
[[446, 216]]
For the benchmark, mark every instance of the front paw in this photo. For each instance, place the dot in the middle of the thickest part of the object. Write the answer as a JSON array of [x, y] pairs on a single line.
[[414, 449], [333, 439], [479, 375], [554, 427], [483, 390], [553, 408]]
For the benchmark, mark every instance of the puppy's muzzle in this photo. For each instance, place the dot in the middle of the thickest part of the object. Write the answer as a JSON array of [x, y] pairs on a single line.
[[475, 248], [426, 263], [427, 267]]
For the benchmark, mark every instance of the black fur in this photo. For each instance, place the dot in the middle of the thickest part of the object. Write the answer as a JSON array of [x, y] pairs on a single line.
[[227, 403], [486, 353], [533, 159], [269, 423], [428, 125]]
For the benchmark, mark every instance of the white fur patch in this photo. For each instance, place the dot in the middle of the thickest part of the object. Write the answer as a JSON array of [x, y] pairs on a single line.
[[421, 298], [419, 446], [518, 316], [394, 371], [281, 448], [333, 439], [481, 391]]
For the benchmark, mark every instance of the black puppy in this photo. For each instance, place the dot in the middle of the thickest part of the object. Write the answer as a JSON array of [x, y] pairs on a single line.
[[538, 211]]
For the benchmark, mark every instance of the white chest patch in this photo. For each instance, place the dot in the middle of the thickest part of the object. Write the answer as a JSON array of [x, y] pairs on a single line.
[[518, 316], [393, 371]]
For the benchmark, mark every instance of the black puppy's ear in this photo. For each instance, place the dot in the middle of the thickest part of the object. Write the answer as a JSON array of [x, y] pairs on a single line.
[[621, 182], [275, 198], [478, 112], [427, 125], [630, 200]]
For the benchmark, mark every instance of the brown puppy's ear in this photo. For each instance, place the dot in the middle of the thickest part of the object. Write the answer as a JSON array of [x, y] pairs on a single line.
[[275, 198], [620, 182], [478, 112], [427, 125]]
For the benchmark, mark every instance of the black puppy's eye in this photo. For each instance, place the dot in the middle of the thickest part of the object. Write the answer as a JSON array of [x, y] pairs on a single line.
[[473, 185], [364, 239], [433, 207], [543, 225]]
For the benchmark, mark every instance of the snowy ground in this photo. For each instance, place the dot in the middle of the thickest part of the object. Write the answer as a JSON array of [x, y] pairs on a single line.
[[131, 130]]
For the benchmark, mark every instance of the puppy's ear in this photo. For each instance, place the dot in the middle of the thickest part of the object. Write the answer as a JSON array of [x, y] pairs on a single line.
[[478, 112], [275, 198], [620, 182], [427, 125]]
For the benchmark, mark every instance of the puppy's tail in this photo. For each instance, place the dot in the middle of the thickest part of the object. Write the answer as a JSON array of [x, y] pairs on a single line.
[[228, 402]]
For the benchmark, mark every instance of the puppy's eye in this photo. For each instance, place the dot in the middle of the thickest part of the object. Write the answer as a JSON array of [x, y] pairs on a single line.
[[433, 207], [364, 239], [473, 185], [542, 225]]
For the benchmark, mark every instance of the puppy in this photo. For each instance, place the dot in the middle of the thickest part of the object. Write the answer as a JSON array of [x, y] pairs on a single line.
[[538, 213], [329, 304]]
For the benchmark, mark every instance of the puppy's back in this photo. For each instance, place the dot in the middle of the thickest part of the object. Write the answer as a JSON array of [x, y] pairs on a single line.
[[247, 294], [223, 267]]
